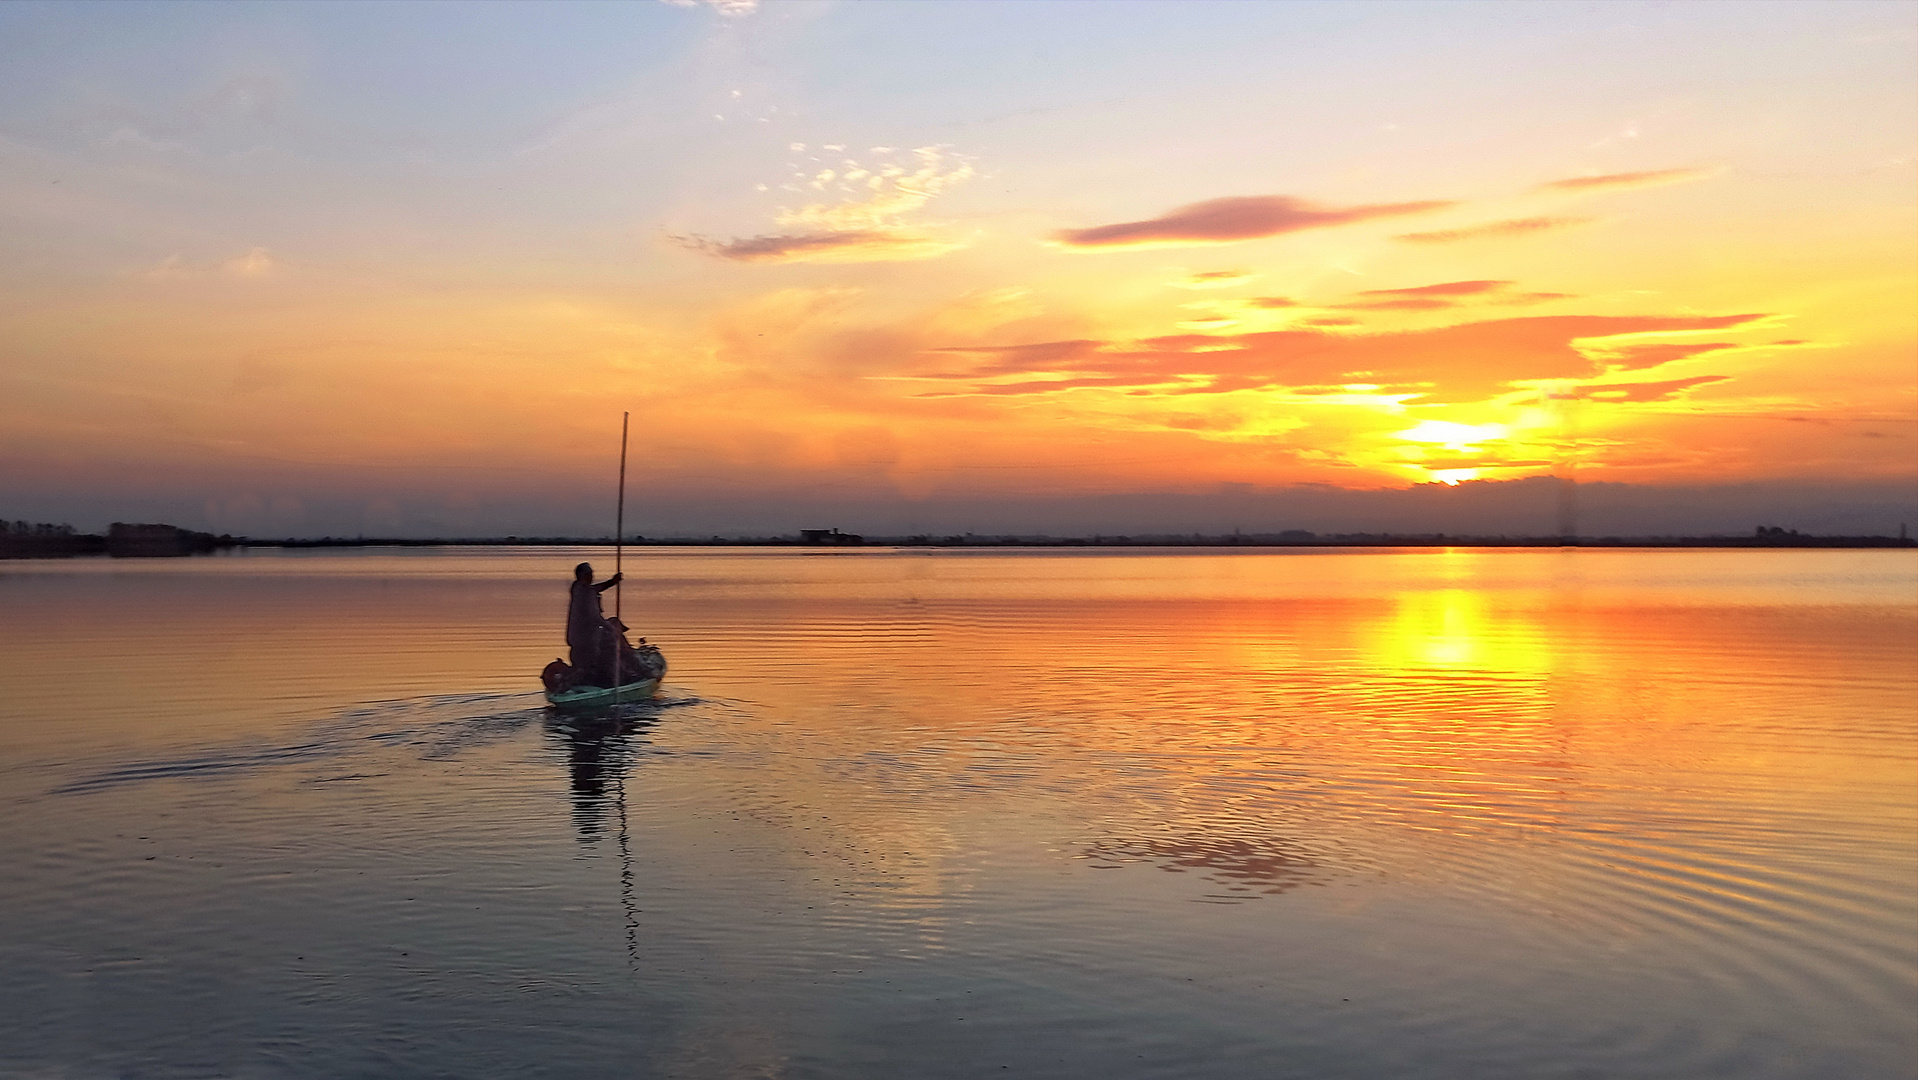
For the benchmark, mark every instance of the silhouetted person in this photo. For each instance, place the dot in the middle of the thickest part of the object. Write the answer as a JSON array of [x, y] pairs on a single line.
[[592, 641]]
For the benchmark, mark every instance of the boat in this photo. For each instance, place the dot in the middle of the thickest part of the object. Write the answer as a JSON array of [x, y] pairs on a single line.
[[647, 663], [597, 697], [645, 666]]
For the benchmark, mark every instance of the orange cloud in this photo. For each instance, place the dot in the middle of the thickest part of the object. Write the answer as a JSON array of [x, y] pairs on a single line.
[[1619, 393], [1213, 279], [1445, 294], [1227, 220], [1634, 357], [1653, 178], [1423, 297], [1443, 288], [1451, 364], [843, 246], [1510, 227], [1401, 303]]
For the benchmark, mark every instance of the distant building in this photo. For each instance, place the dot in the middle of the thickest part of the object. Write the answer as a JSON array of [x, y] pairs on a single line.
[[830, 536]]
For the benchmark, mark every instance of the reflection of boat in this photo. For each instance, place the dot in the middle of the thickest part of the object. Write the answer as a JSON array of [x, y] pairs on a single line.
[[601, 747], [594, 697]]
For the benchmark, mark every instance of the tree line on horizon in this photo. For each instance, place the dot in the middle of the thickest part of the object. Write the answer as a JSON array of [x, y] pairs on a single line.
[[23, 539]]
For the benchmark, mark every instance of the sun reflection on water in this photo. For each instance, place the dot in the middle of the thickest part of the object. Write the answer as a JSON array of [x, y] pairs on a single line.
[[1444, 629]]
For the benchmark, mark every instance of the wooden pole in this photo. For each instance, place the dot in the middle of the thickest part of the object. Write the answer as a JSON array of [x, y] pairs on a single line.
[[619, 526], [619, 548]]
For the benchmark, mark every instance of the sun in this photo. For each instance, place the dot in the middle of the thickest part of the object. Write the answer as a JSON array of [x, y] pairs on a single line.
[[1450, 435]]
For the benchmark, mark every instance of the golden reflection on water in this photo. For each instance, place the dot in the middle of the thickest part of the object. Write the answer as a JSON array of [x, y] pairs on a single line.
[[1450, 629], [1476, 737], [1535, 770]]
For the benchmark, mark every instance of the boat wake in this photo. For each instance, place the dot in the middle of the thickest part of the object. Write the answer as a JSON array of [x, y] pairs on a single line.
[[435, 728]]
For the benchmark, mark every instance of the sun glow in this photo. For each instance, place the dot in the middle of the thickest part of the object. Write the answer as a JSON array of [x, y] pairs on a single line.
[[1452, 436], [1455, 628]]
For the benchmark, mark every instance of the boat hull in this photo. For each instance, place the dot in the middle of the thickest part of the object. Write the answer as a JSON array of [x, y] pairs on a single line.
[[596, 697]]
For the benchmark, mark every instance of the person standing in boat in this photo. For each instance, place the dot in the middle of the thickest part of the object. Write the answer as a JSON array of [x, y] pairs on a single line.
[[590, 639]]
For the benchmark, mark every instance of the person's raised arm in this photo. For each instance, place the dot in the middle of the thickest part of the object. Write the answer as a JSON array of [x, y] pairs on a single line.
[[609, 582]]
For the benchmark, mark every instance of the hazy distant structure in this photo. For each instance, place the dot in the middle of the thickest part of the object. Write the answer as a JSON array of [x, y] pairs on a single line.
[[1565, 404], [1568, 509], [830, 537]]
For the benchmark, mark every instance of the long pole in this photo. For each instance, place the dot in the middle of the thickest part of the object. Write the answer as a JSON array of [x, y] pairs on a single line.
[[619, 548], [619, 525]]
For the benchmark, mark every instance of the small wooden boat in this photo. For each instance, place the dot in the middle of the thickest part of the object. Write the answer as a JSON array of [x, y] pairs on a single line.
[[649, 666], [598, 697], [644, 666]]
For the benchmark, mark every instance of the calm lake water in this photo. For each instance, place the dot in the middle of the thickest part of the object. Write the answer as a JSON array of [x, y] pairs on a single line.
[[1314, 814]]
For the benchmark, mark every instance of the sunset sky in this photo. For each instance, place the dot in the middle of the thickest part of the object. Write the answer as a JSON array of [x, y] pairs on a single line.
[[397, 269]]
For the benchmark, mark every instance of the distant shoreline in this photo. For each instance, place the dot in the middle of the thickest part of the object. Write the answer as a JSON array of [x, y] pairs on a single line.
[[1201, 541], [91, 547]]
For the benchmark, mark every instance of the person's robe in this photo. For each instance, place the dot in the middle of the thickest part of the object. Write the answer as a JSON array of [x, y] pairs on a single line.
[[587, 635], [583, 614]]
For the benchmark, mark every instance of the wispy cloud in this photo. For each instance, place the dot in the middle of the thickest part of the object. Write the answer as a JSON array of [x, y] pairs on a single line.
[[1492, 229], [1652, 178], [1447, 294], [1443, 288], [1232, 219], [842, 246], [1247, 314], [1213, 279], [876, 195], [1243, 314], [1634, 356], [1643, 392], [254, 263], [732, 9], [864, 225]]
